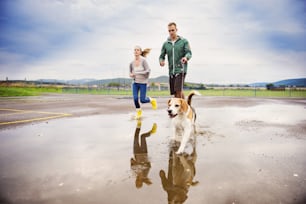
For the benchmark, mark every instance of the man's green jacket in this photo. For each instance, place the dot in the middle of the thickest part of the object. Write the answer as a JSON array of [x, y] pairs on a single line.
[[175, 52]]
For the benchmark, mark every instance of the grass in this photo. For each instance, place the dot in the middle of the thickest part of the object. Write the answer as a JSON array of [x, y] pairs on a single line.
[[27, 91], [96, 91], [34, 91], [253, 93]]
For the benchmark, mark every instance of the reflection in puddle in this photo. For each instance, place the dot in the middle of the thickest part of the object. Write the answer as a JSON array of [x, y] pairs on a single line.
[[141, 164], [181, 171]]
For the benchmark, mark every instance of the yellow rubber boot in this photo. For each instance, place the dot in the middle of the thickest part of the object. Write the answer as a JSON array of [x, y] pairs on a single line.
[[154, 128], [138, 113], [138, 123], [154, 103]]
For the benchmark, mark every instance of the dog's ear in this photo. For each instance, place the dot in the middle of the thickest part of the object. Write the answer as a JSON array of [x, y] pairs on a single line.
[[169, 102], [184, 105]]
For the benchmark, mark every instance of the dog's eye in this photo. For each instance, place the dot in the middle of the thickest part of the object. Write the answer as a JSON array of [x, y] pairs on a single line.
[[176, 105]]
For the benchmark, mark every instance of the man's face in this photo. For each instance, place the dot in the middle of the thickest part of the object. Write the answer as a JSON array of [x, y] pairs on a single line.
[[172, 31]]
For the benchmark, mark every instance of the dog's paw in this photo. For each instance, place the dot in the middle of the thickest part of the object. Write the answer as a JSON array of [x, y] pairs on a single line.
[[179, 152]]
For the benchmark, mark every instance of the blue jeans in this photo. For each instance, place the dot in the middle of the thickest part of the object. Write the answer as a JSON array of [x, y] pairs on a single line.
[[142, 88]]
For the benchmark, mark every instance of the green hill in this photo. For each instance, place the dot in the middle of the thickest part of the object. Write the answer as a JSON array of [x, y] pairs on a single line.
[[160, 79]]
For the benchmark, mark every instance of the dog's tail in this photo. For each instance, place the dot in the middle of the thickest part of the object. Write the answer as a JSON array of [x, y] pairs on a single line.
[[191, 95]]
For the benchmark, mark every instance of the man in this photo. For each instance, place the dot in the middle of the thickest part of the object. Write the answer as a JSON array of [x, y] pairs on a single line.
[[178, 52]]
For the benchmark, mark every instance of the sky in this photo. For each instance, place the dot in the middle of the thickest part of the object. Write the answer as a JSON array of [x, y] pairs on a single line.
[[232, 41]]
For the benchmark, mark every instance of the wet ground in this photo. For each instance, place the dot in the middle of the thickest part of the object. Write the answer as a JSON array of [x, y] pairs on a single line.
[[87, 149]]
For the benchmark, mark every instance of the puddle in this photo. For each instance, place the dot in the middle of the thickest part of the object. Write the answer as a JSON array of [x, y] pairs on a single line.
[[241, 155]]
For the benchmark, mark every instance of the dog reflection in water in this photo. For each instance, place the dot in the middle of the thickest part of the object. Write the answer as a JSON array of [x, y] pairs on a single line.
[[141, 164], [181, 171]]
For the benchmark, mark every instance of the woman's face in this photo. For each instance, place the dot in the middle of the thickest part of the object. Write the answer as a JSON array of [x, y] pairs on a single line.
[[137, 51]]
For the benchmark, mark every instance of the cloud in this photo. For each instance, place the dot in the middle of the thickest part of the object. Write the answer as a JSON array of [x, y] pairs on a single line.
[[232, 40]]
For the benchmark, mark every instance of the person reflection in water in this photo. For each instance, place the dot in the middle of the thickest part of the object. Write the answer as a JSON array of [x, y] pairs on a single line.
[[140, 164], [181, 171]]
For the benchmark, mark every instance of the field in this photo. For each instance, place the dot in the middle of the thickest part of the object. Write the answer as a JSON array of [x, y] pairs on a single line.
[[35, 91], [28, 91]]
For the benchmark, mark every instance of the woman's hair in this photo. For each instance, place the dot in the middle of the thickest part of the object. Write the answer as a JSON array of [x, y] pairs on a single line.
[[144, 52]]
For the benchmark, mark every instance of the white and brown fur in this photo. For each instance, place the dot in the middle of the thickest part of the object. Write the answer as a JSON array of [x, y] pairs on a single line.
[[183, 118]]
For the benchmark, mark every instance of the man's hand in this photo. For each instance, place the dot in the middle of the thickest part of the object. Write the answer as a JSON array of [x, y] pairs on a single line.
[[184, 60], [162, 63]]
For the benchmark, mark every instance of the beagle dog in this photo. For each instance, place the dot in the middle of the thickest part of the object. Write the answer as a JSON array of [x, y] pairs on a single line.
[[183, 118]]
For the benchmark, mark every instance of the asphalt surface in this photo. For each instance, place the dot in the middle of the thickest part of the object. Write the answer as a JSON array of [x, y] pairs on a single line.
[[87, 149]]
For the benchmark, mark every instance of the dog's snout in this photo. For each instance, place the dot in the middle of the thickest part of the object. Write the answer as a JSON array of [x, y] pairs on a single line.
[[169, 111]]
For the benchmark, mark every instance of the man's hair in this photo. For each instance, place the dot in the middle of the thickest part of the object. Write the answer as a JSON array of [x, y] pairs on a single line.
[[171, 24]]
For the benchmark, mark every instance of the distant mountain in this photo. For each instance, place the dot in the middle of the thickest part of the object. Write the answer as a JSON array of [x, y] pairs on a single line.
[[259, 84], [73, 81], [301, 82], [107, 81], [90, 82], [291, 82], [50, 81], [160, 79], [79, 81]]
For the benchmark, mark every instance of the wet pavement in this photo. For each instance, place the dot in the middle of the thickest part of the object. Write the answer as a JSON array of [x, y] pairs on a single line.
[[247, 151]]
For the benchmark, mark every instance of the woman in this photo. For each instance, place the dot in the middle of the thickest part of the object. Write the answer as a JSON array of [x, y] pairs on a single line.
[[140, 71]]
